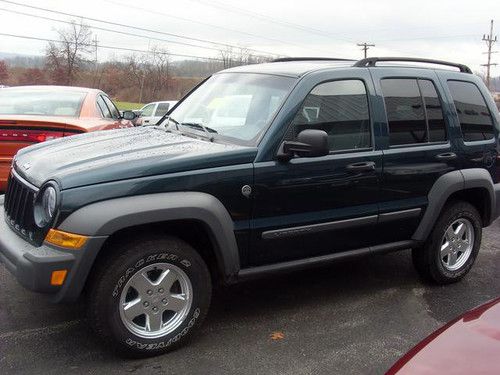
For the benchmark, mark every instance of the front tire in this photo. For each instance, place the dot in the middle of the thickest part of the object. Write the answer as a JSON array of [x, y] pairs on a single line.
[[149, 296]]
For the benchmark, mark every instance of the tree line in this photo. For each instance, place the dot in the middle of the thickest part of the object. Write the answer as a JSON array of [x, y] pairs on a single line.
[[137, 77]]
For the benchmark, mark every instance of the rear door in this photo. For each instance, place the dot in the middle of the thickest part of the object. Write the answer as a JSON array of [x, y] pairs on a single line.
[[160, 110], [416, 144]]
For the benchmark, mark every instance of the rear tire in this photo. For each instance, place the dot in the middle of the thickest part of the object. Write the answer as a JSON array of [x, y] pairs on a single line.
[[149, 295], [453, 245]]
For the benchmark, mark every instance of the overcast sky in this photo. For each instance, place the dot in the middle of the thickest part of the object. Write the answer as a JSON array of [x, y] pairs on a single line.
[[442, 29]]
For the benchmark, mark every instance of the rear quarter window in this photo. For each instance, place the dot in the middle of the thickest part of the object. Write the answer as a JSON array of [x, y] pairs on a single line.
[[473, 113]]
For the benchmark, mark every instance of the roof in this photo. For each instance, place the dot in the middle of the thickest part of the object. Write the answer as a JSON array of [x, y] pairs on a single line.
[[289, 68], [296, 67]]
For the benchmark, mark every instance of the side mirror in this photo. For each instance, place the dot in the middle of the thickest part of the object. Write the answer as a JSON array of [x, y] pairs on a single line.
[[309, 143], [129, 115]]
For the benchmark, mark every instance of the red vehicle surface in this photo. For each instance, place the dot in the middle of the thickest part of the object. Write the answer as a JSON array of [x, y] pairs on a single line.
[[469, 344], [33, 114]]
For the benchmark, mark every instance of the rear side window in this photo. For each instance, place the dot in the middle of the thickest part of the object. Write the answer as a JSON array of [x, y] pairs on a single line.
[[162, 109], [475, 118], [414, 111], [340, 108], [433, 111]]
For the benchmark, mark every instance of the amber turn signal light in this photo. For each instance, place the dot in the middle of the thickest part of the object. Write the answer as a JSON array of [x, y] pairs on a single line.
[[65, 239], [57, 278]]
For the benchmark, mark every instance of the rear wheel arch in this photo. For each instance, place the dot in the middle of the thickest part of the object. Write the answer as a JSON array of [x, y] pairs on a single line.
[[471, 185]]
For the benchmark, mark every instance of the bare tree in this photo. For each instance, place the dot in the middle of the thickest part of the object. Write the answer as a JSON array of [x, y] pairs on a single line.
[[4, 72], [65, 59]]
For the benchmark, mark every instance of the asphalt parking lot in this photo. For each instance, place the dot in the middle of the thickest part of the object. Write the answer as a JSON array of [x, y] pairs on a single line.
[[354, 317]]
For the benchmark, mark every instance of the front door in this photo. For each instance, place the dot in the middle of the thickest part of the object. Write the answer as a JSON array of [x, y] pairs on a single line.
[[319, 205]]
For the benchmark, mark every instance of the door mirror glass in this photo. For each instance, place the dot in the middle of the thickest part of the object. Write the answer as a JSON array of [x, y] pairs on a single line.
[[129, 115]]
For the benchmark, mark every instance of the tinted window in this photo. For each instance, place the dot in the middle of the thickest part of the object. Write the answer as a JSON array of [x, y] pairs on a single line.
[[405, 111], [433, 111], [475, 118], [112, 108], [162, 109], [340, 108], [103, 107]]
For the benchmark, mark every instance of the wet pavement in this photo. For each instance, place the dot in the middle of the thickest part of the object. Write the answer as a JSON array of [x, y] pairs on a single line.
[[353, 317]]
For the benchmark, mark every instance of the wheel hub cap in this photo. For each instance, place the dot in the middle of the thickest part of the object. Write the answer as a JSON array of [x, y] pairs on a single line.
[[457, 244], [156, 300]]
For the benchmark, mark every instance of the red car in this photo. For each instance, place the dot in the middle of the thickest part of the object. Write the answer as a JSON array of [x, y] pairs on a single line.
[[33, 114], [469, 344]]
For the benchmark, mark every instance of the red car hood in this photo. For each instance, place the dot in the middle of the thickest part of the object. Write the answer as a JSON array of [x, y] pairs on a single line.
[[469, 344]]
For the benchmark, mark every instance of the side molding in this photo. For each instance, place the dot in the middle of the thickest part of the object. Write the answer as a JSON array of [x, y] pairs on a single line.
[[448, 184], [107, 217]]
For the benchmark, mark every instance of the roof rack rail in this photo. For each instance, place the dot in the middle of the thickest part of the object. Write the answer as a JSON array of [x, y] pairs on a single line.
[[372, 61], [286, 59]]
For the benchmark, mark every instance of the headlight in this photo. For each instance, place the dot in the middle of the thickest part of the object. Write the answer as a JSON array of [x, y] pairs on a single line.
[[45, 207]]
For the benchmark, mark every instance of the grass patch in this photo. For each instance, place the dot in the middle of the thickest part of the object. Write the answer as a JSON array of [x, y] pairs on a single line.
[[128, 106]]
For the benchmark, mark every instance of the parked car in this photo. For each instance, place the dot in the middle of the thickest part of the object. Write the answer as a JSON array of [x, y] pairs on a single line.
[[151, 113], [33, 114], [467, 345], [334, 160]]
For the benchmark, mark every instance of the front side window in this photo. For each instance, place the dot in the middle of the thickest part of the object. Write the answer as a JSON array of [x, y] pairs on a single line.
[[234, 106], [147, 111], [340, 108], [106, 113], [474, 116], [114, 112]]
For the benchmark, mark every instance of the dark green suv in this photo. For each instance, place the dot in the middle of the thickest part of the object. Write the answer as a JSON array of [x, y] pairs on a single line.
[[260, 169]]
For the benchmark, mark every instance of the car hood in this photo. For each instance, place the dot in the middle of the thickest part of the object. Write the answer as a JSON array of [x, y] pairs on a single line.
[[113, 155], [467, 345]]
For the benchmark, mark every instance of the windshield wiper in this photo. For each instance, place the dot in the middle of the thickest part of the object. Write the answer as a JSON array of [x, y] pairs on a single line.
[[208, 131]]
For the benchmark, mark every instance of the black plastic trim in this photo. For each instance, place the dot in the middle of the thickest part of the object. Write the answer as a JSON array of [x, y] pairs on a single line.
[[294, 265]]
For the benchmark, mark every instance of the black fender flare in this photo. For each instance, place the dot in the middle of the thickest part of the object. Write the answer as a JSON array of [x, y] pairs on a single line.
[[104, 218], [448, 184]]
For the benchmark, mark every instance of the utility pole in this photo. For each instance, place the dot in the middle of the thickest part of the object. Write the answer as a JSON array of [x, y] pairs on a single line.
[[490, 40], [366, 47], [95, 41]]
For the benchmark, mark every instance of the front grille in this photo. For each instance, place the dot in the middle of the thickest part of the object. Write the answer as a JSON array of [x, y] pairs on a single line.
[[18, 205]]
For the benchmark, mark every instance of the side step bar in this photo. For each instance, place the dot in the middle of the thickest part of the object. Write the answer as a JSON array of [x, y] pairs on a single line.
[[294, 265]]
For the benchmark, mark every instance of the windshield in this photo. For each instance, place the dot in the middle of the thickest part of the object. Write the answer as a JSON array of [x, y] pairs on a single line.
[[46, 102], [234, 105]]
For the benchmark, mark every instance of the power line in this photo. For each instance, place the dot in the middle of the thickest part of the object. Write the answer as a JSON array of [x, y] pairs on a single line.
[[112, 47], [490, 40], [199, 22], [110, 30], [134, 27], [234, 9], [365, 48]]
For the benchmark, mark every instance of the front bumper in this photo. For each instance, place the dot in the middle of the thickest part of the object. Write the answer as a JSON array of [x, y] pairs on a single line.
[[33, 266]]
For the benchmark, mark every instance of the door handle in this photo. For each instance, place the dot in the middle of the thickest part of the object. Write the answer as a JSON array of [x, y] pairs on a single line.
[[146, 121], [364, 166], [446, 156]]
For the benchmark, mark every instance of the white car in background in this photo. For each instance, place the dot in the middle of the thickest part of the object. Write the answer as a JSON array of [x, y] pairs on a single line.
[[151, 113]]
